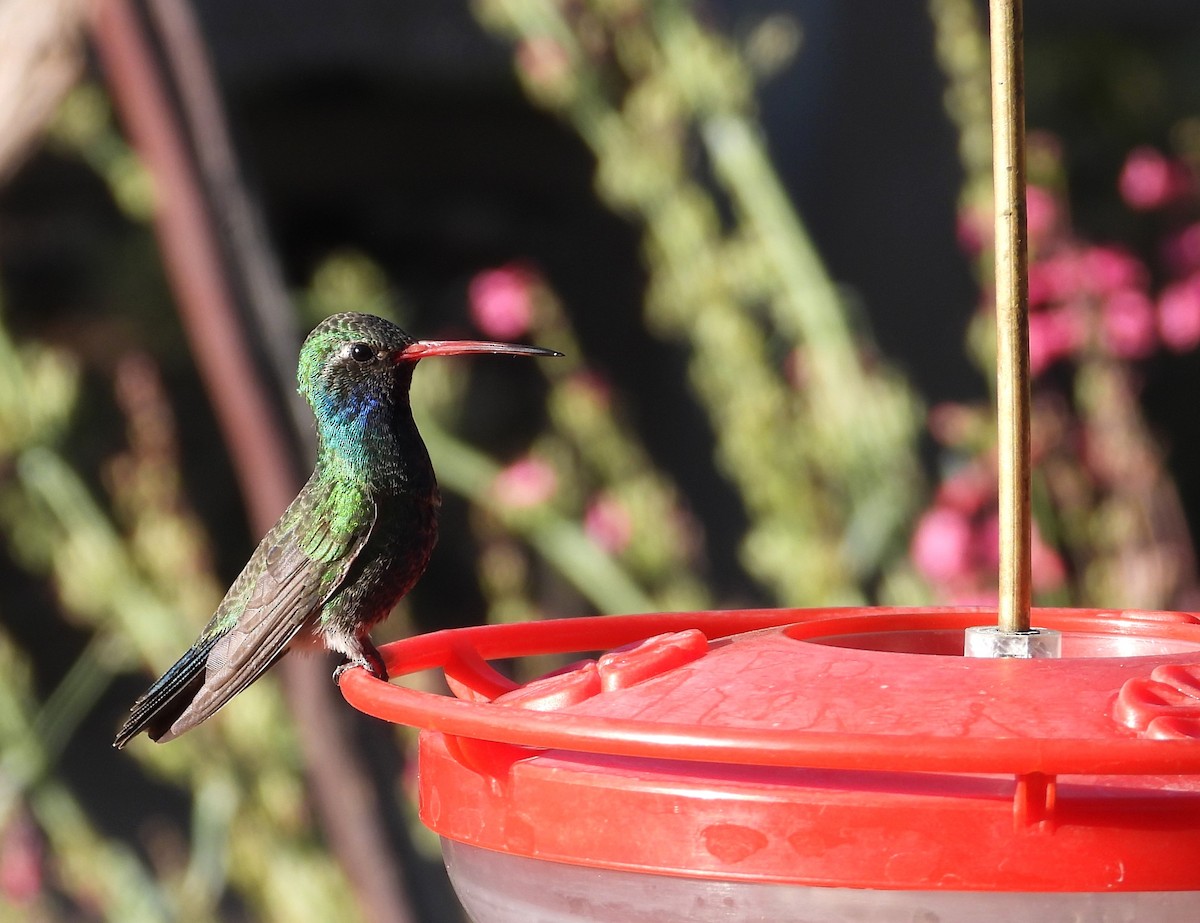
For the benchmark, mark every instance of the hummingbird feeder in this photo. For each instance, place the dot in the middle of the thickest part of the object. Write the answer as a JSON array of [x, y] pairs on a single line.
[[828, 765]]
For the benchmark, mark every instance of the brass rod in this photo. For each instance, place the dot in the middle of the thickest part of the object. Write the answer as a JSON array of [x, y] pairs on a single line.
[[1012, 312]]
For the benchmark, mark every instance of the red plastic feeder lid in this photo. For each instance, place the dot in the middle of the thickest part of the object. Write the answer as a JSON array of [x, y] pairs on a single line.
[[844, 747]]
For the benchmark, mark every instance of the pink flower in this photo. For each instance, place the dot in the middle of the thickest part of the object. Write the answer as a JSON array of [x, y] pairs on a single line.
[[1040, 291], [1179, 315], [1056, 278], [544, 62], [608, 523], [502, 301], [1041, 213], [974, 230], [1109, 269], [976, 596], [1048, 572], [985, 543], [1094, 270], [526, 483], [1148, 180], [1053, 335], [21, 861], [941, 545], [1128, 325], [967, 489], [1048, 281]]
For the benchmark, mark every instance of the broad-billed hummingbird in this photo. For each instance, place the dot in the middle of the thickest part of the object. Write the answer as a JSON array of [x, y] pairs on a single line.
[[353, 542]]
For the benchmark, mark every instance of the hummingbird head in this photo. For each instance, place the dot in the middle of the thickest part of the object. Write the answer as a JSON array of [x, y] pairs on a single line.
[[354, 366]]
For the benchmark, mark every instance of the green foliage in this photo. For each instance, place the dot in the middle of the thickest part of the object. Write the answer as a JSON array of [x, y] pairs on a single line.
[[824, 462], [126, 580]]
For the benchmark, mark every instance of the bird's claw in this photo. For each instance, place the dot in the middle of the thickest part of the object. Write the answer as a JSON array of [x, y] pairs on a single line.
[[370, 661]]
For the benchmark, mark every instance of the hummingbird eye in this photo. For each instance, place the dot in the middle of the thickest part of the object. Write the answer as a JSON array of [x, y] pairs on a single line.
[[361, 352]]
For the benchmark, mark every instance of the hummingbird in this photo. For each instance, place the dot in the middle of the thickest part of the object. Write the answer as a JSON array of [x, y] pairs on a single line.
[[353, 542]]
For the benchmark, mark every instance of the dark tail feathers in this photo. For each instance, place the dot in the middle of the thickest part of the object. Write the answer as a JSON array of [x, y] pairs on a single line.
[[159, 706]]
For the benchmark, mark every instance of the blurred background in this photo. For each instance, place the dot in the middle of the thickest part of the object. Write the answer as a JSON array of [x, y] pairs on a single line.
[[760, 231]]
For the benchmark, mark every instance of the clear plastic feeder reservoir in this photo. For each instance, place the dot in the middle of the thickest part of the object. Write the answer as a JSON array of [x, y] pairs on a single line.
[[812, 765]]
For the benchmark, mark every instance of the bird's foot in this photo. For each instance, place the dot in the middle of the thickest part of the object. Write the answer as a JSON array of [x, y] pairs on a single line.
[[369, 660]]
